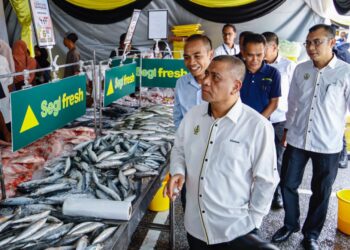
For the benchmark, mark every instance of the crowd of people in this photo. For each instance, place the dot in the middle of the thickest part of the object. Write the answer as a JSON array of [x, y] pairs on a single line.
[[248, 120]]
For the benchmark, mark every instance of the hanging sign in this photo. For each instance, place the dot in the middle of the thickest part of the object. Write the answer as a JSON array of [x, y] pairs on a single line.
[[40, 110], [162, 72], [119, 82], [132, 26], [42, 23]]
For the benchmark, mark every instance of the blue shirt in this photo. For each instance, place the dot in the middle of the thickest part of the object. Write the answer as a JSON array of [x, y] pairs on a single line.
[[188, 93], [259, 88]]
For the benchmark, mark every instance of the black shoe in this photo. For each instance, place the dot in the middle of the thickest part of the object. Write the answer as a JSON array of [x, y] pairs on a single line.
[[277, 202], [343, 165], [283, 234], [310, 244]]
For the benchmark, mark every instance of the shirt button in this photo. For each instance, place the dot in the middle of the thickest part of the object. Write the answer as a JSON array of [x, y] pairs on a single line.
[[312, 108], [211, 142], [203, 211], [315, 96], [200, 195], [318, 84], [206, 159], [310, 120], [216, 125], [309, 131], [202, 178]]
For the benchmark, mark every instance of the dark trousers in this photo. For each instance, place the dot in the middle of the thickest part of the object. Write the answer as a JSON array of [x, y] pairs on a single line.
[[279, 130], [324, 172], [250, 241]]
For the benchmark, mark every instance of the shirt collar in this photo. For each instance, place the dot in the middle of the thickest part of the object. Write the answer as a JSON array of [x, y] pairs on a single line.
[[227, 47], [331, 63], [278, 59], [234, 112], [193, 81], [263, 69]]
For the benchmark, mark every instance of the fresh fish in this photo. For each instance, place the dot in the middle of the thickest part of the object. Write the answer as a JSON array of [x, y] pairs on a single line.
[[141, 167], [104, 155], [105, 189], [30, 230], [130, 198], [32, 218], [43, 231], [35, 183], [6, 241], [81, 145], [5, 225], [146, 174], [58, 232], [68, 165], [123, 180], [104, 235], [87, 229], [95, 247], [129, 171], [51, 189], [82, 243], [111, 163], [79, 226]]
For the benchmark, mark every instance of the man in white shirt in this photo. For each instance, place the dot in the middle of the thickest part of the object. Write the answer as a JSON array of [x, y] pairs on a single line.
[[278, 117], [228, 47], [198, 53], [319, 97], [223, 149]]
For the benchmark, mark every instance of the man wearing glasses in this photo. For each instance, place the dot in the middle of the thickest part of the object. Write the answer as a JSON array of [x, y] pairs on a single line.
[[318, 99]]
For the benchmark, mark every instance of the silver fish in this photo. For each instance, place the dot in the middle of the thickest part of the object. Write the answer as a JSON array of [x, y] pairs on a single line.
[[87, 229], [68, 165], [105, 189], [82, 243], [32, 218], [50, 189], [104, 235], [30, 230], [43, 231]]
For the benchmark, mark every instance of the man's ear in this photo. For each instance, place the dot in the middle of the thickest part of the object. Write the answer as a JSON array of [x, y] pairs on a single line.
[[211, 54], [237, 85]]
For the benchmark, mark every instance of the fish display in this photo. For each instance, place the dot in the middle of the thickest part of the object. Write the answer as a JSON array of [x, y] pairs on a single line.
[[111, 167], [44, 231], [19, 166]]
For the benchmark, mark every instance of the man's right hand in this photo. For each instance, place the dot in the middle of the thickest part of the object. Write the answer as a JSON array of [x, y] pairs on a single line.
[[284, 139], [174, 186]]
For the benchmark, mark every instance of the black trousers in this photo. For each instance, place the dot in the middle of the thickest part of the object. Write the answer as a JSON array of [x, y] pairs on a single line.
[[324, 172], [250, 241]]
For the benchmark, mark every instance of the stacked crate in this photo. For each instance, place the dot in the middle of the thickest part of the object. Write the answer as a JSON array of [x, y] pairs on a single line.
[[181, 32]]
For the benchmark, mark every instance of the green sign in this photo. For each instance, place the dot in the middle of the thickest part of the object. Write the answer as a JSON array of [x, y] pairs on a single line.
[[162, 72], [116, 63], [40, 110], [119, 81], [158, 72]]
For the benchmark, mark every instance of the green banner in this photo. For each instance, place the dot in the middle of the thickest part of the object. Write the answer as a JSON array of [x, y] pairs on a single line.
[[157, 72], [119, 81], [162, 72], [39, 110], [116, 63]]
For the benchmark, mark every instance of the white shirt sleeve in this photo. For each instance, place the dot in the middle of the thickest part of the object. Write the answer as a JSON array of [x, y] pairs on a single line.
[[292, 100], [177, 157], [177, 114], [265, 174]]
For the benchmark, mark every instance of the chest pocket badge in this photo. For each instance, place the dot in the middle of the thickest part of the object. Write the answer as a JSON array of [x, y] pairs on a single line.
[[196, 130]]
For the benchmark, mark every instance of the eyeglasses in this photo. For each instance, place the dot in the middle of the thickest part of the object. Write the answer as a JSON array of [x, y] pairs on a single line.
[[316, 42]]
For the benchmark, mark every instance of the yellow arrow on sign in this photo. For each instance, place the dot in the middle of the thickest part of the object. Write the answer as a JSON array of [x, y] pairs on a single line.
[[29, 121], [110, 90]]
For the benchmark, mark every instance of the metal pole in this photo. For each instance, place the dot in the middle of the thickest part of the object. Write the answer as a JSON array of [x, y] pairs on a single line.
[[140, 80], [172, 225], [94, 85], [2, 181], [100, 96]]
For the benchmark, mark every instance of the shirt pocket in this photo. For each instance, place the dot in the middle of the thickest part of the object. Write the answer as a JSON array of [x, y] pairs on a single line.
[[233, 154], [332, 92]]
